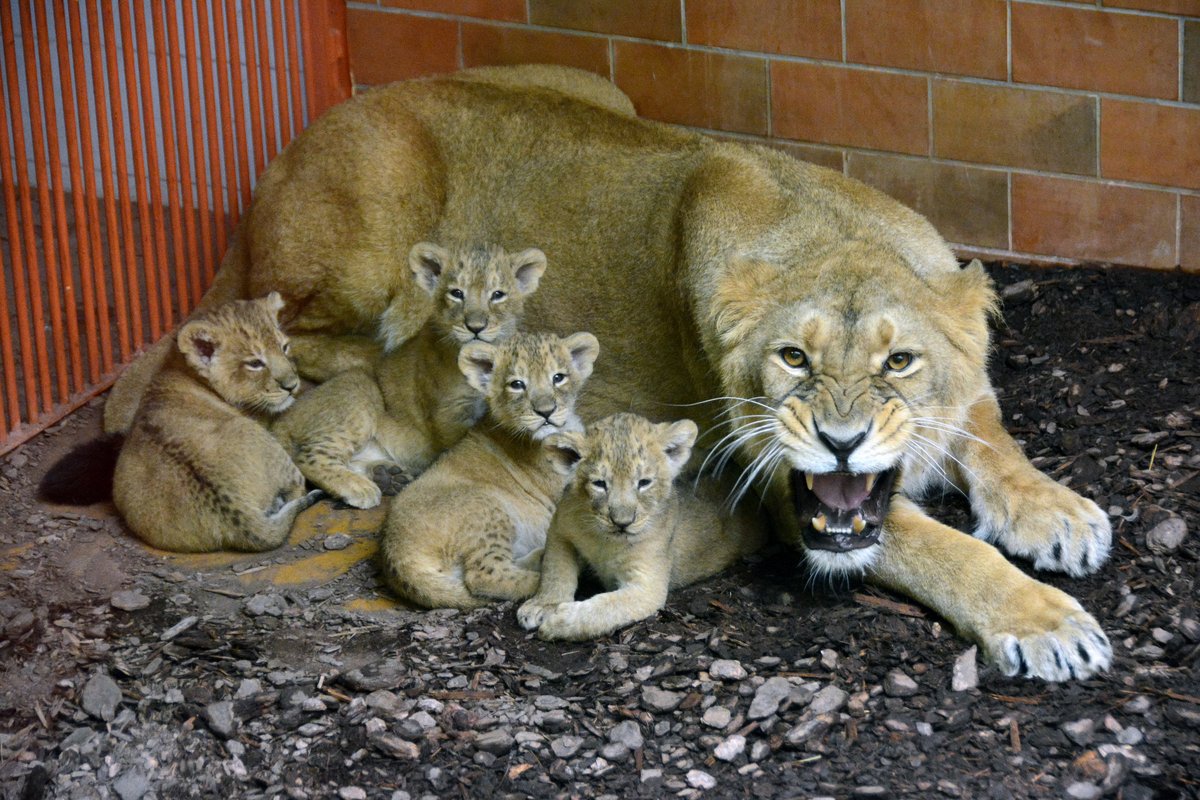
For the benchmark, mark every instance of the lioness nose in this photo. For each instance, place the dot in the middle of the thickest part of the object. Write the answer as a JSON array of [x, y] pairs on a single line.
[[842, 448]]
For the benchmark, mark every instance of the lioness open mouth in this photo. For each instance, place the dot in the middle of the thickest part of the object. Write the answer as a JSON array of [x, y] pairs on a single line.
[[840, 511]]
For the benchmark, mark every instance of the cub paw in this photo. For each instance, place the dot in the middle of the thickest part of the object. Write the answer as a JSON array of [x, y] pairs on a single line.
[[1057, 641], [1049, 524], [359, 492], [390, 478], [531, 613], [562, 623]]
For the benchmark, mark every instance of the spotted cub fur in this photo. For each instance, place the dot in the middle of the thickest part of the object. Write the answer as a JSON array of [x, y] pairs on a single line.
[[472, 527], [199, 470], [418, 402], [624, 519]]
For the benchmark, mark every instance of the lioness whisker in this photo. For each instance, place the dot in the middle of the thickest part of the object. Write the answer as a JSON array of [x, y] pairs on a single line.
[[945, 452]]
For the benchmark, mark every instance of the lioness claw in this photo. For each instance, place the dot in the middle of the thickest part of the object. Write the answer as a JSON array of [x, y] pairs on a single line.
[[1074, 650]]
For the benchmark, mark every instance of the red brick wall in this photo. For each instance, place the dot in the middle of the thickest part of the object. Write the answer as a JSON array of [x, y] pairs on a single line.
[[1048, 131]]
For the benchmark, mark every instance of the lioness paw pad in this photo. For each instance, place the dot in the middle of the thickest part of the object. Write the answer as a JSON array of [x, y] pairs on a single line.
[[1075, 650]]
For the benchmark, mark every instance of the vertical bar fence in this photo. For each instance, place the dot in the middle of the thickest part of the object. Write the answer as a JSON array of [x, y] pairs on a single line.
[[132, 137]]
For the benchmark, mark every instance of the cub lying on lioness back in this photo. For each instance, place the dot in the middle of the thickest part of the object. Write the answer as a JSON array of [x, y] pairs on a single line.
[[419, 402], [199, 471], [623, 518], [467, 530]]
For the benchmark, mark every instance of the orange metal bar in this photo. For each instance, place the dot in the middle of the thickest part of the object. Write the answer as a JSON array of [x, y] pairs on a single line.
[[293, 73], [208, 175], [198, 133], [79, 190], [152, 253], [127, 295], [327, 64], [227, 85], [49, 245], [257, 146], [32, 342], [99, 282], [264, 61], [100, 94], [239, 111], [168, 96]]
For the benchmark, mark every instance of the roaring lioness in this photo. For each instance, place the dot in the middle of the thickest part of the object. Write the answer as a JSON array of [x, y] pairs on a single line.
[[830, 322]]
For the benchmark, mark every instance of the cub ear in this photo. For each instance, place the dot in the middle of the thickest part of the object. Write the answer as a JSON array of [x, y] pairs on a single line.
[[678, 438], [427, 261], [565, 450], [528, 266], [584, 348], [198, 343], [274, 303], [477, 361]]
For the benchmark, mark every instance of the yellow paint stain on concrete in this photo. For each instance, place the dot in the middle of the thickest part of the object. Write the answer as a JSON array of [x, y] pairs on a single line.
[[10, 557], [317, 569], [370, 605]]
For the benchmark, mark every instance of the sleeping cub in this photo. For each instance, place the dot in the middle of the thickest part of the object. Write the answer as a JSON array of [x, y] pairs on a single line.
[[418, 403], [471, 528], [623, 518], [199, 471]]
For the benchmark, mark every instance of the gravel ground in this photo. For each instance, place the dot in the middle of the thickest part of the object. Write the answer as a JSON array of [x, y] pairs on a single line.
[[125, 674]]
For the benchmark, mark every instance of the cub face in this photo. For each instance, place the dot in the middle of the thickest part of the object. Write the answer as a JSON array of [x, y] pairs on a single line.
[[625, 465], [241, 352], [531, 381], [479, 291]]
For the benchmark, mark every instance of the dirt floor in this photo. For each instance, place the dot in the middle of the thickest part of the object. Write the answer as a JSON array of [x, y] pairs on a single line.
[[133, 674]]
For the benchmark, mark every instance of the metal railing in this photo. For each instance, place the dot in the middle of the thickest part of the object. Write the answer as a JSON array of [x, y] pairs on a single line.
[[133, 134]]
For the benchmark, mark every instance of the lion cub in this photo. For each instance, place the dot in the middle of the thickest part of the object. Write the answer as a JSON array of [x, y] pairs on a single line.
[[624, 519], [419, 402], [199, 471], [471, 528]]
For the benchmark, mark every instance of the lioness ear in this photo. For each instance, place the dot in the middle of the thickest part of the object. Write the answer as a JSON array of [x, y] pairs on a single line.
[[427, 261], [678, 438], [477, 361], [565, 450], [528, 266], [274, 303], [198, 343], [584, 348], [971, 299]]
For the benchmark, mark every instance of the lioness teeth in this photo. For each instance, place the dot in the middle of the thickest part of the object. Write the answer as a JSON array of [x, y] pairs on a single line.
[[871, 480], [858, 523], [818, 523], [808, 480]]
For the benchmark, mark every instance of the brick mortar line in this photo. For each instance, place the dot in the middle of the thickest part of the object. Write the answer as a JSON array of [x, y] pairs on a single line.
[[683, 21], [1008, 39], [1179, 229], [790, 59], [1008, 189], [1113, 182], [1182, 28], [845, 55], [1128, 12]]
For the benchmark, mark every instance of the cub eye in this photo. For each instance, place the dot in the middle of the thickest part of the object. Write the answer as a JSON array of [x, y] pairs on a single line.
[[516, 386], [899, 361], [455, 294], [287, 348], [559, 379], [794, 357], [498, 295], [601, 485], [254, 364], [644, 482]]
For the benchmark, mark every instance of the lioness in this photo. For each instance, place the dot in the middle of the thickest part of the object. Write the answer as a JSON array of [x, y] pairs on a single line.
[[832, 322]]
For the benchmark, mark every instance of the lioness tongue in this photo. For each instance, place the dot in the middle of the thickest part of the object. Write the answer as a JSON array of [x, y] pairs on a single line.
[[841, 491]]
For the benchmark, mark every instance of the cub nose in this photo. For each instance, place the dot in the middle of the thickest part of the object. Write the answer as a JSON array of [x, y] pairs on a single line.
[[622, 519], [544, 410], [290, 385], [475, 322], [842, 448]]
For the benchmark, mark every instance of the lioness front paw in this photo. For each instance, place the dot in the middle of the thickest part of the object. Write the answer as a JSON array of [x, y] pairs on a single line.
[[1049, 524], [531, 613], [1053, 639]]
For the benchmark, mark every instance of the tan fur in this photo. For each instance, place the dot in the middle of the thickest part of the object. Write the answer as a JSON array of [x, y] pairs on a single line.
[[694, 261], [624, 518], [419, 402], [451, 538], [199, 471]]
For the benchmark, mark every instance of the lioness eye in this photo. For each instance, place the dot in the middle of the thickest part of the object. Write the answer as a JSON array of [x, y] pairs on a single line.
[[601, 485], [255, 364], [497, 296], [899, 361], [794, 357], [644, 482], [558, 378], [457, 294], [516, 386]]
